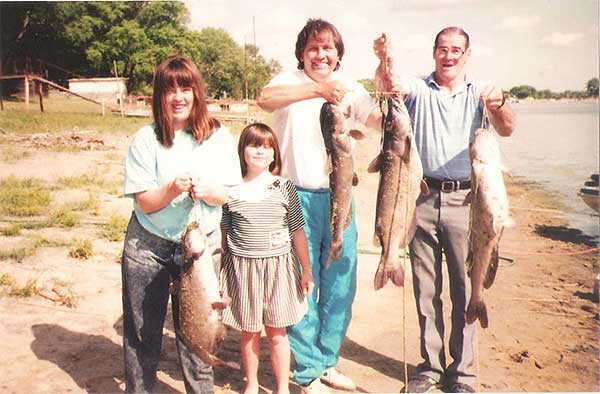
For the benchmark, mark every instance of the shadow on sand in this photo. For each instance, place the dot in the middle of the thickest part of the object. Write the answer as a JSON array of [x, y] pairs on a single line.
[[565, 234]]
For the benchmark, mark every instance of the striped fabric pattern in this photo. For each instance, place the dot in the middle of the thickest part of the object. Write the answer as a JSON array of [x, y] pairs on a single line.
[[263, 228], [263, 291], [260, 272]]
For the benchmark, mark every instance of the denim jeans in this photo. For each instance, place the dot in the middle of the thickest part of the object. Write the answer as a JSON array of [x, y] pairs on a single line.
[[149, 265]]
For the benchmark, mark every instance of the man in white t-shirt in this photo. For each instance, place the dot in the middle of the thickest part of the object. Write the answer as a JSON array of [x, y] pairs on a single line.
[[295, 98]]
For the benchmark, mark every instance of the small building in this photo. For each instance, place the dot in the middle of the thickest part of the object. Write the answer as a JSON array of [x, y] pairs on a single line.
[[112, 90]]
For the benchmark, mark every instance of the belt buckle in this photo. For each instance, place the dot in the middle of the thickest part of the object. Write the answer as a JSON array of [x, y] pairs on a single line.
[[449, 186]]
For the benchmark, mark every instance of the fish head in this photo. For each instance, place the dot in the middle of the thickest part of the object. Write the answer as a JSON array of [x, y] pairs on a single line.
[[397, 126], [484, 147], [332, 119], [194, 242]]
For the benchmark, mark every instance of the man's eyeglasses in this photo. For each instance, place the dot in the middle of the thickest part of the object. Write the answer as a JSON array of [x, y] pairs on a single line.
[[454, 51]]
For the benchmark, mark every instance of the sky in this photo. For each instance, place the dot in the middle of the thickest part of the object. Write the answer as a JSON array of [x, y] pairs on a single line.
[[547, 44]]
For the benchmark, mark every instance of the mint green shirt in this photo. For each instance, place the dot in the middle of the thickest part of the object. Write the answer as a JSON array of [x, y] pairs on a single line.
[[150, 165]]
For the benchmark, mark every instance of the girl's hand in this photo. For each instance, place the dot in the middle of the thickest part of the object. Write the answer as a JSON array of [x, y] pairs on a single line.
[[212, 193], [307, 283]]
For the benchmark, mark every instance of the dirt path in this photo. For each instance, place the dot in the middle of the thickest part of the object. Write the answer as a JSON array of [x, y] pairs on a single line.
[[543, 333]]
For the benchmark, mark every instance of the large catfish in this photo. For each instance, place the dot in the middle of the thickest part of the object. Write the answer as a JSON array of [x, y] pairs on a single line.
[[400, 184], [338, 144], [488, 217], [200, 302]]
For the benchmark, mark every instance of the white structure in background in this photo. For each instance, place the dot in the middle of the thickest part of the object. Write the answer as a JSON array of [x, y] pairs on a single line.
[[112, 90]]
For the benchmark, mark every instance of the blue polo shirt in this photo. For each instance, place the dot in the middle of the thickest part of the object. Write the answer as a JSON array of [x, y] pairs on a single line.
[[444, 123]]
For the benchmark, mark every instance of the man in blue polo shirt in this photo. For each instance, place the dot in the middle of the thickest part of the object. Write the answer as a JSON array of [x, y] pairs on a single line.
[[446, 107]]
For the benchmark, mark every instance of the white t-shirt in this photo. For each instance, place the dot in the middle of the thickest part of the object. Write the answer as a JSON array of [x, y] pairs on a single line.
[[298, 129]]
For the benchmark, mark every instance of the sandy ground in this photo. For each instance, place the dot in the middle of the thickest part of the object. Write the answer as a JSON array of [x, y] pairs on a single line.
[[543, 333]]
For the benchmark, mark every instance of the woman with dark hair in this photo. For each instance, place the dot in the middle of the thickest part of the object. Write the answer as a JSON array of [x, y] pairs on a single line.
[[170, 175]]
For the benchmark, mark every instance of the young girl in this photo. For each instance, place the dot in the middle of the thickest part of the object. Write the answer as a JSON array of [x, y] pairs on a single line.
[[170, 174], [262, 222]]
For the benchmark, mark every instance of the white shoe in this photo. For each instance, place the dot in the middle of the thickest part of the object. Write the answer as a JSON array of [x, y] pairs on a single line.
[[334, 378], [315, 387]]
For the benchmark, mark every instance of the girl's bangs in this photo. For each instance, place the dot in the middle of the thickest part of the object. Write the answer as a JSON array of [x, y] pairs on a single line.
[[259, 137]]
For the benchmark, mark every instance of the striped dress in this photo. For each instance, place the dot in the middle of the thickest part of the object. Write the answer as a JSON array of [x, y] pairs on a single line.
[[260, 272]]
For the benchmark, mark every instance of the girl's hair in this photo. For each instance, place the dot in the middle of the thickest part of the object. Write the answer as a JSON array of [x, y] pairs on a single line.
[[312, 28], [180, 71], [257, 134], [451, 29]]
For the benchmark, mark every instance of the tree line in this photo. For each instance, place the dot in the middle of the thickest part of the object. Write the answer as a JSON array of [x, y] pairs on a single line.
[[86, 39], [526, 91]]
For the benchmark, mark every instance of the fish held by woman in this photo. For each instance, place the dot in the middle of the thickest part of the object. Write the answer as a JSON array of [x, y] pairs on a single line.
[[488, 217], [200, 301], [338, 145], [400, 184]]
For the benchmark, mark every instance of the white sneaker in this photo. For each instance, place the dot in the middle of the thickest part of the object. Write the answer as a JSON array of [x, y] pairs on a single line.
[[315, 387], [334, 378]]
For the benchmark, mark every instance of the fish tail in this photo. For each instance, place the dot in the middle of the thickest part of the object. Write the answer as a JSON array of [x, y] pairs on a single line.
[[217, 362], [490, 274], [381, 276], [477, 310]]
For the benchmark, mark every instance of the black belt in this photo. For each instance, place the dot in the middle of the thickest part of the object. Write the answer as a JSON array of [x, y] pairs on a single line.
[[447, 185]]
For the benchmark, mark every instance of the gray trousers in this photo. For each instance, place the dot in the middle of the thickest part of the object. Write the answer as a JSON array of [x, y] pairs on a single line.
[[442, 226], [149, 265]]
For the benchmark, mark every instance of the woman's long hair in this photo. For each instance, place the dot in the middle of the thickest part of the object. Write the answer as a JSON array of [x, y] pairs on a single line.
[[180, 71]]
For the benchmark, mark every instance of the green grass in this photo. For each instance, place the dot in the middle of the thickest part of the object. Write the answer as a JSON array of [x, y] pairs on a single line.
[[30, 288], [10, 155], [23, 197], [64, 115], [81, 249], [115, 228], [64, 217]]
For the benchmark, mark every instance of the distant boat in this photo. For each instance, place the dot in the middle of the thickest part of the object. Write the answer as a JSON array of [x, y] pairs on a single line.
[[590, 194]]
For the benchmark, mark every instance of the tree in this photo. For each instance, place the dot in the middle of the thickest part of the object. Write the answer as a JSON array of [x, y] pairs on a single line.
[[523, 91], [592, 87], [87, 38]]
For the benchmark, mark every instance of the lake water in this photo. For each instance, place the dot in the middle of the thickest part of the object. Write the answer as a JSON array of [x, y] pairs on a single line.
[[555, 144]]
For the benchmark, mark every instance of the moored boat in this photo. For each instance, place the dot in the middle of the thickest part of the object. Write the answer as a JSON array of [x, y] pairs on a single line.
[[590, 193]]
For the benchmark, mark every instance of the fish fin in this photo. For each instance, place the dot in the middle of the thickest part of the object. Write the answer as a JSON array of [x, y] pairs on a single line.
[[469, 261], [468, 198], [376, 240], [222, 303], [424, 188], [408, 140], [375, 165], [356, 134], [355, 179], [217, 362], [347, 112], [490, 274], [380, 277], [329, 165], [397, 276], [477, 310]]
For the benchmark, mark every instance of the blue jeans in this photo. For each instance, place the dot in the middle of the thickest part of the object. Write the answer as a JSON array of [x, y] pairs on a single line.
[[149, 265], [316, 340]]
